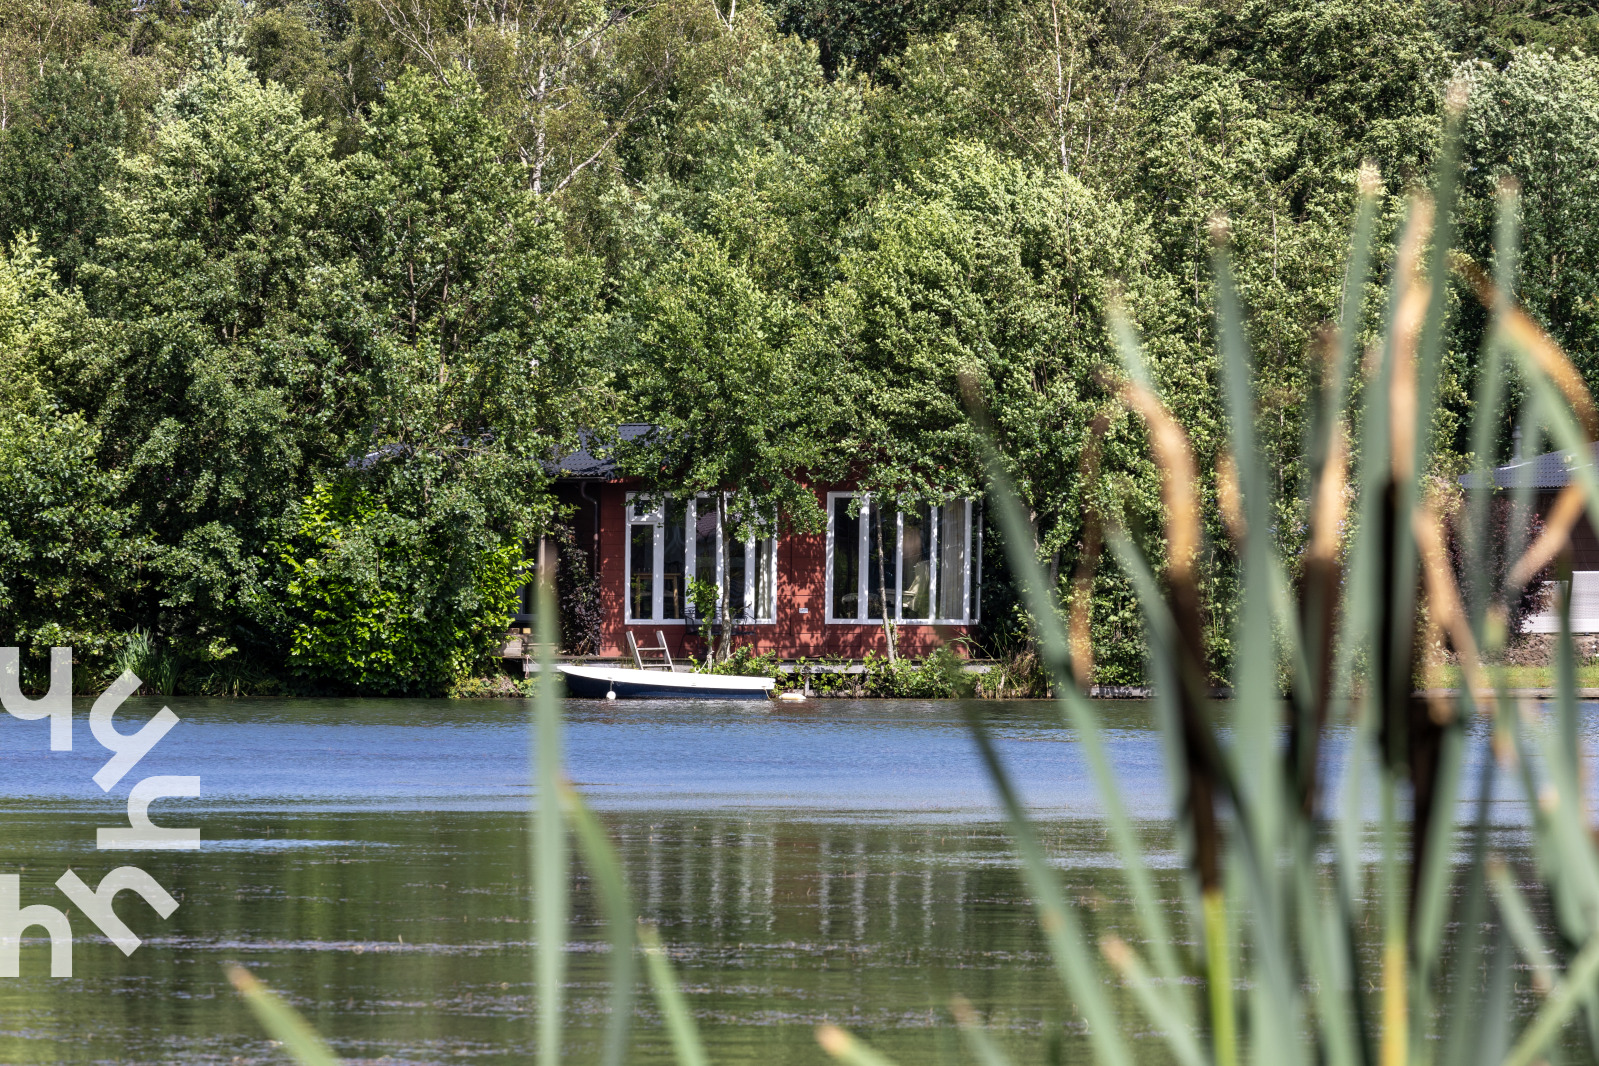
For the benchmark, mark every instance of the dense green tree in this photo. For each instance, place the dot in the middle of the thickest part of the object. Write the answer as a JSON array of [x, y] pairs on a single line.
[[321, 52], [863, 33], [485, 364], [990, 282], [226, 366], [282, 45], [1494, 29], [739, 397], [402, 567], [69, 550], [762, 155], [1265, 119], [36, 37], [1344, 82], [1536, 122], [1054, 84], [57, 156]]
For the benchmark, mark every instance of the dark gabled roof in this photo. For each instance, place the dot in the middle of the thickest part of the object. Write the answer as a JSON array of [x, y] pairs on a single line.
[[1551, 470], [583, 463]]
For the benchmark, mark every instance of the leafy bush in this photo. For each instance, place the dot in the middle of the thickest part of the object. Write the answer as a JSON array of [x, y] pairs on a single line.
[[142, 654], [232, 678], [939, 676], [69, 552], [822, 682], [744, 662], [384, 604], [1020, 675], [582, 613]]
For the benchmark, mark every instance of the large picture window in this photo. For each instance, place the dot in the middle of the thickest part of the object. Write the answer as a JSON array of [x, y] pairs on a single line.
[[670, 539], [926, 559]]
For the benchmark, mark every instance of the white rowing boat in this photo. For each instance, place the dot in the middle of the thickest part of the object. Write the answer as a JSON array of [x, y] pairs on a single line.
[[614, 682]]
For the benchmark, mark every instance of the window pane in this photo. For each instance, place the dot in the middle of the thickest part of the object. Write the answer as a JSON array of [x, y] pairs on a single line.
[[952, 553], [641, 581], [879, 551], [916, 564], [736, 563], [674, 576], [765, 575], [846, 560], [974, 563], [705, 541]]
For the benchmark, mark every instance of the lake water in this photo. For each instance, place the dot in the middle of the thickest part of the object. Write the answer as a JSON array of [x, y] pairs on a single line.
[[830, 861]]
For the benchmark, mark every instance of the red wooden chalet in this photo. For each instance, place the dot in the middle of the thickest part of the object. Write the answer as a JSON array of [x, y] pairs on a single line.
[[811, 595]]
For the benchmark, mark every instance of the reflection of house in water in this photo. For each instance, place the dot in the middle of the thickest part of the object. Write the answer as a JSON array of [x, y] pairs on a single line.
[[1546, 475], [813, 595], [818, 884]]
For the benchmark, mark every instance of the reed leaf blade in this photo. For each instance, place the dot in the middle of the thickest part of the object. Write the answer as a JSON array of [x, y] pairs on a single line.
[[283, 1022]]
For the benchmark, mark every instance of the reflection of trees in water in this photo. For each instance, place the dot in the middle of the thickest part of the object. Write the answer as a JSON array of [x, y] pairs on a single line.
[[774, 923]]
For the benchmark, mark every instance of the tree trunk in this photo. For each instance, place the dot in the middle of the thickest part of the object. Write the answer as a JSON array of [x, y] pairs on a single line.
[[724, 645]]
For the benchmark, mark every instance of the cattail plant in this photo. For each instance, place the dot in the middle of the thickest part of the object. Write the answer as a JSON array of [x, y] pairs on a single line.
[[1372, 587]]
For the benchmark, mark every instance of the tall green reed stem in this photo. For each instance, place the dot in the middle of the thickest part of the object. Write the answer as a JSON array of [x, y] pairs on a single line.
[[550, 876]]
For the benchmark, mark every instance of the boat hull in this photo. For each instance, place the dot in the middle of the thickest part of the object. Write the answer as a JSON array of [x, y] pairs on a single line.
[[594, 682]]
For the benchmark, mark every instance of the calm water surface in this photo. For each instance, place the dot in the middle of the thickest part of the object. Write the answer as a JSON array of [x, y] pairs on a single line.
[[829, 862]]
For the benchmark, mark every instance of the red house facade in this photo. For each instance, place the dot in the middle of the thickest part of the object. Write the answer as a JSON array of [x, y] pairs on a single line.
[[1546, 476], [809, 595]]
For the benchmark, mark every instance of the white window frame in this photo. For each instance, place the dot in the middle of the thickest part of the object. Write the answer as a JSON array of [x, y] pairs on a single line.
[[971, 570], [656, 518]]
